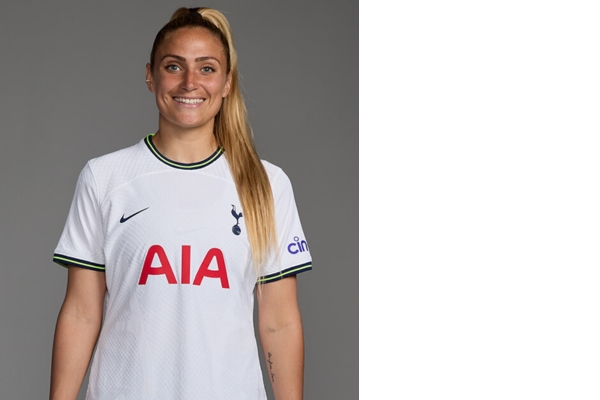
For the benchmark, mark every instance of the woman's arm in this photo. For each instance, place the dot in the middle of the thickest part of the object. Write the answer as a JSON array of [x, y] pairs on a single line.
[[77, 330], [281, 337]]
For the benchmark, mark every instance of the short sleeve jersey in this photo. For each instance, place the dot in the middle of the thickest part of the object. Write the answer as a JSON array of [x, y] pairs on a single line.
[[172, 241]]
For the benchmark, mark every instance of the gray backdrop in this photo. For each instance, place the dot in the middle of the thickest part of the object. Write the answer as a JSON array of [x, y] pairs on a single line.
[[72, 81]]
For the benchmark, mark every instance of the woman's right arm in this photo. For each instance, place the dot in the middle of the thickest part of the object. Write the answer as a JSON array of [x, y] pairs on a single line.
[[77, 330]]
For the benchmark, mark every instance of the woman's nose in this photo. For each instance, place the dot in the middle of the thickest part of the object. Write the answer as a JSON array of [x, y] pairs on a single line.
[[189, 81]]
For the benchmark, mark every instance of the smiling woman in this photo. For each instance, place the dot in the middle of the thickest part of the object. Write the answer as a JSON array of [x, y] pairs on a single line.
[[190, 80], [168, 242]]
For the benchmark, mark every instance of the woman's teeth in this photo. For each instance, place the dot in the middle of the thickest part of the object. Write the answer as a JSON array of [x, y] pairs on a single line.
[[187, 101]]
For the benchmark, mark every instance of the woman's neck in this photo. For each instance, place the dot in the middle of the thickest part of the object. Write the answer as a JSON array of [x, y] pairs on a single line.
[[185, 146]]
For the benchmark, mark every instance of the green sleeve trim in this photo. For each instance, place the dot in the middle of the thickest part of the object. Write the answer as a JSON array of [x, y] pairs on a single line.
[[66, 261], [285, 273]]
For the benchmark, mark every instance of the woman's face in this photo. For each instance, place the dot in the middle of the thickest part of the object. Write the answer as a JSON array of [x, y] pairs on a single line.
[[189, 79]]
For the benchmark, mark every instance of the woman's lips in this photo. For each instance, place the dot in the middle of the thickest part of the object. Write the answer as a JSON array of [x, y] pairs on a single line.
[[187, 102]]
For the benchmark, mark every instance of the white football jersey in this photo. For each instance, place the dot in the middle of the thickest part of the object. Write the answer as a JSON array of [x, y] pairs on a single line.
[[172, 241]]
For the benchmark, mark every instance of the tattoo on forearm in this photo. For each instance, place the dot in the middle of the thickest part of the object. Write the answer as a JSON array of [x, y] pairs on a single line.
[[271, 368]]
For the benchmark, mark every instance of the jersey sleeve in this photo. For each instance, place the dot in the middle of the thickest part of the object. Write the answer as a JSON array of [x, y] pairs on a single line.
[[293, 254], [81, 242]]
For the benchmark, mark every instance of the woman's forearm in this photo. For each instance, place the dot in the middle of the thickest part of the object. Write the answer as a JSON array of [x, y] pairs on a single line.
[[282, 338], [77, 329], [284, 355], [74, 342]]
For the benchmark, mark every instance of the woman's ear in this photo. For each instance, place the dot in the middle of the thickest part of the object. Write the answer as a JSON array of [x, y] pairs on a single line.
[[227, 87], [149, 78]]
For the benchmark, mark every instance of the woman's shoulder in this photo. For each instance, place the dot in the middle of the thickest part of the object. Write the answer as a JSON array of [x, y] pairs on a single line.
[[280, 182], [274, 172], [115, 159], [116, 168]]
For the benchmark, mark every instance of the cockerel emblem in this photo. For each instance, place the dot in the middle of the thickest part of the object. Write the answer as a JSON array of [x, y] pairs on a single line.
[[236, 228]]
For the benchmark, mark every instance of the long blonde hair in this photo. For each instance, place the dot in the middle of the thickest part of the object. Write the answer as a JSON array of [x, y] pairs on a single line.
[[234, 135]]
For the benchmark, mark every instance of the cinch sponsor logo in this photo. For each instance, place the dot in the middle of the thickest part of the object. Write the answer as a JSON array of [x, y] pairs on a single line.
[[297, 246], [186, 255]]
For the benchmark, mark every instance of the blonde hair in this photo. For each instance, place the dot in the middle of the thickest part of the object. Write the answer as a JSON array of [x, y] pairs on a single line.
[[234, 135]]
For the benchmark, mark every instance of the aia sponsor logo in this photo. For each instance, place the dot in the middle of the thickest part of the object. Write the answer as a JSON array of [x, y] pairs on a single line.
[[164, 267], [297, 246]]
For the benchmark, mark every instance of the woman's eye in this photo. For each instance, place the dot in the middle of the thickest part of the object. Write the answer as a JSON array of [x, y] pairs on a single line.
[[207, 69], [172, 68]]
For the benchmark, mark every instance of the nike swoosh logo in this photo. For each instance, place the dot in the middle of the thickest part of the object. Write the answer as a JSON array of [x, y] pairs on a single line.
[[123, 219]]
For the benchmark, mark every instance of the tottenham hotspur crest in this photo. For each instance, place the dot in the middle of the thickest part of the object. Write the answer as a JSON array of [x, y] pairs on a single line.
[[236, 228]]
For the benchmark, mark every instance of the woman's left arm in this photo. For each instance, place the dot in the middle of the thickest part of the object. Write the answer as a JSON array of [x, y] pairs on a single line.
[[281, 337]]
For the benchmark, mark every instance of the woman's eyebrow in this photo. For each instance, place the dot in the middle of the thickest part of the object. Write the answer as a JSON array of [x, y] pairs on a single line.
[[204, 58], [207, 58], [173, 56]]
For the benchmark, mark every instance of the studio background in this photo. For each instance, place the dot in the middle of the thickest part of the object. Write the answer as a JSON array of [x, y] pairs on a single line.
[[72, 88]]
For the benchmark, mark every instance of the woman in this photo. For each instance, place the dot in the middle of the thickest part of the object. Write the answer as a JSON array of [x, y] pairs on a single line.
[[167, 240]]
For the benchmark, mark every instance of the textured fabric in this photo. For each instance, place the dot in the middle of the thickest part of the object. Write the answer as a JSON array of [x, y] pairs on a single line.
[[173, 243]]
